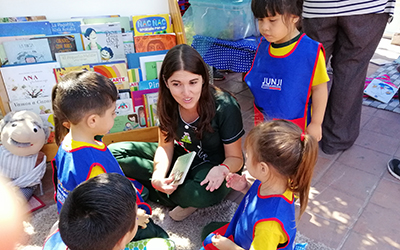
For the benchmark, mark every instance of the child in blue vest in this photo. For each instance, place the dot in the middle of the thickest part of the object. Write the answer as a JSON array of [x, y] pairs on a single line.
[[84, 105], [101, 214], [288, 77], [281, 157]]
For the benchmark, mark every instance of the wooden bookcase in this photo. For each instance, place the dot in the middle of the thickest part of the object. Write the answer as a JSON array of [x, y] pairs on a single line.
[[144, 134]]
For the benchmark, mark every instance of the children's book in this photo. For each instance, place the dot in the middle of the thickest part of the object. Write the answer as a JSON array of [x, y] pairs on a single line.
[[124, 107], [133, 59], [39, 105], [150, 101], [151, 66], [21, 19], [181, 167], [26, 82], [138, 105], [3, 55], [78, 58], [151, 24], [61, 43], [149, 84], [129, 45], [125, 123], [25, 28], [134, 76], [107, 38], [116, 72], [380, 90], [65, 27], [28, 51], [155, 42], [123, 21], [60, 72]]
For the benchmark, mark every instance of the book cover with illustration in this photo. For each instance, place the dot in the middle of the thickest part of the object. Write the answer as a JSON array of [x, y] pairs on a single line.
[[149, 84], [61, 43], [150, 101], [124, 21], [124, 106], [60, 72], [21, 19], [181, 167], [39, 105], [116, 72], [133, 59], [107, 38], [25, 28], [129, 45], [25, 82], [151, 24], [125, 123], [151, 66], [3, 55], [139, 106], [28, 51], [78, 58], [154, 42], [65, 27], [380, 90]]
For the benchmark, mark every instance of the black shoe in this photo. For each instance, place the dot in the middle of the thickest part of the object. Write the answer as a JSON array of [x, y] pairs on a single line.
[[394, 168], [217, 75]]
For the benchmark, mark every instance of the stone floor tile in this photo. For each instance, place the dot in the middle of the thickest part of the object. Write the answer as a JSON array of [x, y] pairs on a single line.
[[387, 195], [379, 142], [368, 242]]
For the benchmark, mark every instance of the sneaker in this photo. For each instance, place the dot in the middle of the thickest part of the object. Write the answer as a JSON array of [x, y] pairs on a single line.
[[217, 75], [394, 168], [179, 213]]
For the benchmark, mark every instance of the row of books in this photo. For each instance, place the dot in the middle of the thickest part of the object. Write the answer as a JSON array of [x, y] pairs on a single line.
[[113, 37]]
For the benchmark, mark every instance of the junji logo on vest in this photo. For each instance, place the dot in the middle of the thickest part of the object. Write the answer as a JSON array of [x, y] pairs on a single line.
[[272, 83]]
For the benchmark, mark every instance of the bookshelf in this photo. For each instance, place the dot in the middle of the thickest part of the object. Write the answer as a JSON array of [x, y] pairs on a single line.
[[149, 134]]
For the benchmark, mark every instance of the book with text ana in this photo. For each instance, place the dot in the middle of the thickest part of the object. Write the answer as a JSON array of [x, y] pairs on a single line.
[[154, 42], [181, 167], [78, 58], [28, 51], [30, 81], [151, 24], [60, 72], [107, 38], [116, 72]]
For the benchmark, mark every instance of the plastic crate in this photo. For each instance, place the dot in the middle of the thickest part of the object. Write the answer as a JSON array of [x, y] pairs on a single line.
[[223, 19]]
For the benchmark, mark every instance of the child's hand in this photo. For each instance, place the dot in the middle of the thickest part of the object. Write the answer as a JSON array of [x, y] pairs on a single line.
[[236, 182], [142, 218], [165, 185], [315, 130], [223, 243]]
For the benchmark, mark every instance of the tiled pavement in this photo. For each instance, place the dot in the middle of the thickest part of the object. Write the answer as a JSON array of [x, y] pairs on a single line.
[[354, 201]]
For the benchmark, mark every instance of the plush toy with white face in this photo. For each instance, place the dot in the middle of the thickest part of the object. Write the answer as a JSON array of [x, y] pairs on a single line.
[[23, 134]]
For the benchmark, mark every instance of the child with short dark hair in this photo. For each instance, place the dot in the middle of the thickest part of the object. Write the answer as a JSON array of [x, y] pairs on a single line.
[[99, 214], [84, 105], [282, 158]]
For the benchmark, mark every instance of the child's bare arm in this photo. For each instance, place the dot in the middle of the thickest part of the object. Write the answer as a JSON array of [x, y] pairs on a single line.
[[224, 243], [319, 97]]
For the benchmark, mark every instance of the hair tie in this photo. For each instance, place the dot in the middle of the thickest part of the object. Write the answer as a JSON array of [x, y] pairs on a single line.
[[302, 136]]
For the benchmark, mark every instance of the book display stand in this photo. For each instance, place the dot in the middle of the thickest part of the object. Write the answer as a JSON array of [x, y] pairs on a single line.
[[149, 134]]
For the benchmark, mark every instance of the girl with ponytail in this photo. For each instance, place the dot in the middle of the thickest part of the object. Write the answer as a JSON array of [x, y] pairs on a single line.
[[282, 158]]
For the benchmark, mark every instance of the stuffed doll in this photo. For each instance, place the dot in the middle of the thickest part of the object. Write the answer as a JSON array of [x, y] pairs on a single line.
[[23, 134]]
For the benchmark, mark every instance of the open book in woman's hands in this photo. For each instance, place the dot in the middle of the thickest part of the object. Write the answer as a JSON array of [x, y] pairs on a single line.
[[181, 167]]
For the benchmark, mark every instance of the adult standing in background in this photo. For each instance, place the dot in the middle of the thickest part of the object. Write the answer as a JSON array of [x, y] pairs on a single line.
[[350, 32]]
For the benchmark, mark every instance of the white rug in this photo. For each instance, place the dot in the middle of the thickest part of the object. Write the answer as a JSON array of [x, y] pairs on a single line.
[[186, 234]]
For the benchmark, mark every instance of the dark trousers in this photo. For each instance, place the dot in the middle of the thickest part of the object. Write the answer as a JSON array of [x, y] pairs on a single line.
[[351, 41], [136, 161]]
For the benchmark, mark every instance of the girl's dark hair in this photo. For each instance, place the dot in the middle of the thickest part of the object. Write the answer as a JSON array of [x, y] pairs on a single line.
[[98, 213], [88, 32], [78, 94], [268, 8], [279, 144], [184, 57]]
